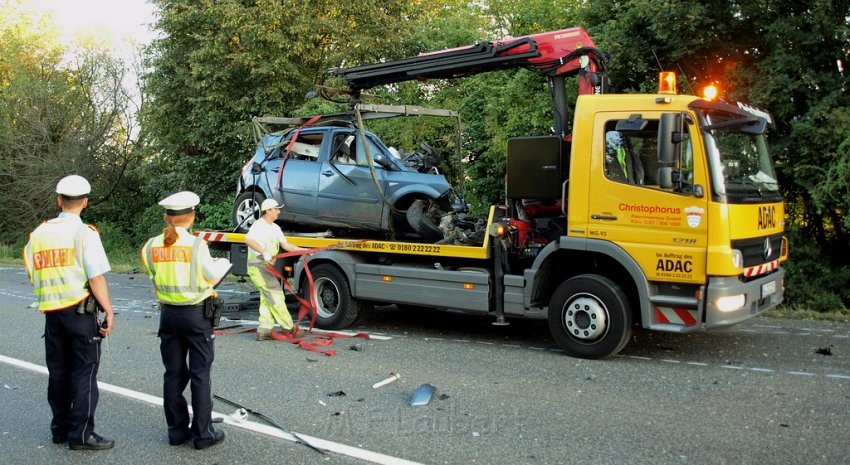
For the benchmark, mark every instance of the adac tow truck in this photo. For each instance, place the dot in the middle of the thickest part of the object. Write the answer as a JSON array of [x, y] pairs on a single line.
[[660, 210]]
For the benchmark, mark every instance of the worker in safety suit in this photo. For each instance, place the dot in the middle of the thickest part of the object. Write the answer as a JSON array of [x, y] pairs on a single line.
[[66, 263], [265, 239], [184, 273]]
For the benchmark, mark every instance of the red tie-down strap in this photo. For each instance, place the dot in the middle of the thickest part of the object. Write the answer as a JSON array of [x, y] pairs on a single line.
[[312, 341], [289, 148]]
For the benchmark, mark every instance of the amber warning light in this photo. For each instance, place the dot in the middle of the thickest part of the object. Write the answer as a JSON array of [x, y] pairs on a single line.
[[710, 92], [667, 82]]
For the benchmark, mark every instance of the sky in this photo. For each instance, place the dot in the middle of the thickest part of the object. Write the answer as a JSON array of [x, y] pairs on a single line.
[[122, 22]]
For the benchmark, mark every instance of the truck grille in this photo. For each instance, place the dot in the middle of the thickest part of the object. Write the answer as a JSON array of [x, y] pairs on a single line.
[[759, 250]]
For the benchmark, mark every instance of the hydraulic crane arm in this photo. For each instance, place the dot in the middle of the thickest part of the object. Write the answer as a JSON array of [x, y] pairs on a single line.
[[556, 54]]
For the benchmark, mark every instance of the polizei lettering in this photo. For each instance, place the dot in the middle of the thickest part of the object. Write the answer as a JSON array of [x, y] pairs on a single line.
[[767, 217], [674, 266]]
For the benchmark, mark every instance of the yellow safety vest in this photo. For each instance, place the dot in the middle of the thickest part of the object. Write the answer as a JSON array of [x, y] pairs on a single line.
[[177, 271], [54, 259]]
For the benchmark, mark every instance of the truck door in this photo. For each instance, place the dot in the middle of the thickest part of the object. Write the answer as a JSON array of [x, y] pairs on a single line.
[[347, 192], [664, 230]]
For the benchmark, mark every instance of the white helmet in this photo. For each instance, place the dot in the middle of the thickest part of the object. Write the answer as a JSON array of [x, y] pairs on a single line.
[[73, 186]]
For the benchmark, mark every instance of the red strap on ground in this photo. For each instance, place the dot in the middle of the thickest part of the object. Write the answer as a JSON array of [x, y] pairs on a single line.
[[292, 144], [311, 341]]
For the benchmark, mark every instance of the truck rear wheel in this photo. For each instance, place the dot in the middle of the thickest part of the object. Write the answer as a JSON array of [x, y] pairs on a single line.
[[336, 307], [590, 317]]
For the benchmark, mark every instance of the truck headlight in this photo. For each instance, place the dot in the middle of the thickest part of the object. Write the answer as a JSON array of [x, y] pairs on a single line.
[[730, 303], [737, 259]]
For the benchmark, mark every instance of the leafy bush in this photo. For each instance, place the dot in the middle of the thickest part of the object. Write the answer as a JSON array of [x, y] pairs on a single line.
[[813, 280]]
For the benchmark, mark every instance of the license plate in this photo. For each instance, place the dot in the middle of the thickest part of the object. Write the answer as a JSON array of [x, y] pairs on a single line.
[[768, 289]]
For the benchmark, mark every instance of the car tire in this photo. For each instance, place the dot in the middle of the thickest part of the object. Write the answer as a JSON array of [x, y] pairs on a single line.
[[421, 223], [246, 205], [337, 308]]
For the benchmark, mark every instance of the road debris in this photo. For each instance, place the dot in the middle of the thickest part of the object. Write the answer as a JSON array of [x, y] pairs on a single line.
[[824, 351], [423, 395], [393, 376]]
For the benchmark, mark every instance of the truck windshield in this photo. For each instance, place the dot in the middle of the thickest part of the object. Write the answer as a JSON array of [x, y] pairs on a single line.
[[739, 160]]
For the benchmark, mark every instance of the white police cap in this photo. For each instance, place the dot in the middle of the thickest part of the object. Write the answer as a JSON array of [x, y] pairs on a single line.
[[73, 187], [269, 204], [180, 203]]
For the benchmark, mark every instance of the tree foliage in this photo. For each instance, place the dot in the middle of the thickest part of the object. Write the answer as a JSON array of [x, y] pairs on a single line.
[[217, 63], [62, 111]]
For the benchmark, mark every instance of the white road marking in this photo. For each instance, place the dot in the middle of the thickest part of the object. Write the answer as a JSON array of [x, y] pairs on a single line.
[[324, 444]]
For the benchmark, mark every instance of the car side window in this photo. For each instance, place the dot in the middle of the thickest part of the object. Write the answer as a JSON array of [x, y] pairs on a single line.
[[374, 150], [343, 149], [306, 147]]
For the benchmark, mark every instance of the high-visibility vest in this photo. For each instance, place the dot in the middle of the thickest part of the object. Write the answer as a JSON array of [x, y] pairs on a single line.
[[54, 259], [177, 270]]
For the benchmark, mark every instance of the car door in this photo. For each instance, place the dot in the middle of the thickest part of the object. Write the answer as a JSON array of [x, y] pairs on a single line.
[[300, 180], [347, 192], [665, 231]]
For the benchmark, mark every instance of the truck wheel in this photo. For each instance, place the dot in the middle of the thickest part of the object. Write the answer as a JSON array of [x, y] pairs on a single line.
[[421, 223], [336, 307], [246, 210], [590, 317]]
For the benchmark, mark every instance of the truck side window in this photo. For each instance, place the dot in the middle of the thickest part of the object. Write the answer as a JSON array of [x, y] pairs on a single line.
[[631, 157]]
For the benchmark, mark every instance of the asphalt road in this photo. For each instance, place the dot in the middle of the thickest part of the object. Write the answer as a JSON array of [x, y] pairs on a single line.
[[758, 393]]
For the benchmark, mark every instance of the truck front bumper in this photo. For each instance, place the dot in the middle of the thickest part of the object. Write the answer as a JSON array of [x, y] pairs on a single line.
[[729, 300]]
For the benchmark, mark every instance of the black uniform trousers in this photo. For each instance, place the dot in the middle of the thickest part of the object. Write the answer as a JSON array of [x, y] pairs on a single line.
[[72, 349], [183, 331]]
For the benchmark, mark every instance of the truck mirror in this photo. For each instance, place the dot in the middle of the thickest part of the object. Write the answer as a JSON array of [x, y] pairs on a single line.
[[669, 138], [665, 177]]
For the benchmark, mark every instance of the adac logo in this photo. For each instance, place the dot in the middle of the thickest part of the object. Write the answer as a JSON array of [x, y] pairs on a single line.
[[694, 216]]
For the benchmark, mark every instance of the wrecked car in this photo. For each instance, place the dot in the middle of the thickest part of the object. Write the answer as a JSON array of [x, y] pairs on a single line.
[[331, 176]]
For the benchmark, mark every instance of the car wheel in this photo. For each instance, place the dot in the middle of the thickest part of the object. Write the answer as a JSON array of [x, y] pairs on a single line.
[[336, 308], [590, 317], [246, 210], [422, 223]]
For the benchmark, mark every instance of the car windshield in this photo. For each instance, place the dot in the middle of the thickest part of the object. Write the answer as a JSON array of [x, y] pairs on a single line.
[[740, 162]]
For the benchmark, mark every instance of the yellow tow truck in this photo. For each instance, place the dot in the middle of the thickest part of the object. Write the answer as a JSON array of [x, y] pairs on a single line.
[[659, 210]]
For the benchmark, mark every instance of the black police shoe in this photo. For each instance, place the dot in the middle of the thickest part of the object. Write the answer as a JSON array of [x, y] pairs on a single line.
[[218, 437], [60, 438], [94, 442]]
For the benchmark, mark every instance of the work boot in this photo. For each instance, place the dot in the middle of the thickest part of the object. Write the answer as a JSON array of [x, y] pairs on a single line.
[[291, 331], [264, 336], [94, 442], [218, 436]]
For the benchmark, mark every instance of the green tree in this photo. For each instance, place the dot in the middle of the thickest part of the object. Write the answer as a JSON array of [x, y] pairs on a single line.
[[219, 63], [62, 111], [790, 58]]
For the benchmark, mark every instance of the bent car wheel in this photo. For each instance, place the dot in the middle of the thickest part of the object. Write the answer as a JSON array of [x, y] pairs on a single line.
[[246, 210], [590, 317], [421, 223]]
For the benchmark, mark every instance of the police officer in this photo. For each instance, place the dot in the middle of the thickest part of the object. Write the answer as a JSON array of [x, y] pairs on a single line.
[[265, 239], [66, 264], [184, 273]]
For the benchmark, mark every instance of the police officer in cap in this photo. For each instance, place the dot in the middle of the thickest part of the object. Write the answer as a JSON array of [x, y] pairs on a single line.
[[66, 264], [184, 273]]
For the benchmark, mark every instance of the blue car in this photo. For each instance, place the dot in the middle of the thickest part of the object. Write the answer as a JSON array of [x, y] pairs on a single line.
[[327, 184]]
